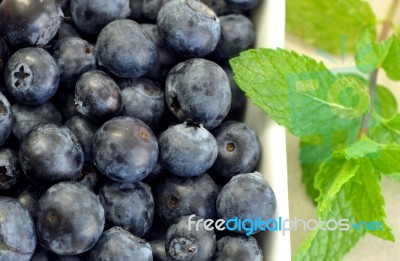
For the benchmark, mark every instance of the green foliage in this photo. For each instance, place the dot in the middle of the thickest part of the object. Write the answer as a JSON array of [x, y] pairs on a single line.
[[325, 111], [342, 169], [300, 93], [333, 26], [391, 64], [370, 54], [331, 245]]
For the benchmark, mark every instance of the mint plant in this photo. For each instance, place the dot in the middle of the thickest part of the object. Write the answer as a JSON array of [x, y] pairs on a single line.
[[348, 124]]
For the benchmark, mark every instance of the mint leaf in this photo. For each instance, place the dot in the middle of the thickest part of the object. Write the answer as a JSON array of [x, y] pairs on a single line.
[[317, 149], [386, 130], [385, 102], [356, 170], [363, 149], [366, 199], [388, 160], [312, 153], [330, 25], [331, 245], [331, 177], [300, 93], [382, 127], [369, 54], [391, 65], [307, 177], [382, 158]]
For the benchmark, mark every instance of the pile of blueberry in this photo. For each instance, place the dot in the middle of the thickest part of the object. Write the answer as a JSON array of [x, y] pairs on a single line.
[[111, 114]]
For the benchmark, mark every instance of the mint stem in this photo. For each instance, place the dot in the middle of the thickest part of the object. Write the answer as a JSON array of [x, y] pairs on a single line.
[[372, 93], [374, 75]]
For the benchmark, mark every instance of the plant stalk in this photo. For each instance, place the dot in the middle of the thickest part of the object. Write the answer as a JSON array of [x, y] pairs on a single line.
[[387, 25]]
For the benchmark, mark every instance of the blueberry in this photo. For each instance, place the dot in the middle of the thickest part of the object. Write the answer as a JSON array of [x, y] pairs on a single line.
[[11, 175], [129, 205], [90, 177], [63, 4], [69, 219], [238, 248], [189, 27], [238, 100], [5, 92], [146, 10], [90, 16], [246, 196], [41, 254], [242, 4], [158, 249], [68, 258], [98, 96], [136, 10], [4, 55], [198, 89], [124, 49], [17, 232], [125, 149], [239, 150], [177, 197], [220, 7], [29, 198], [142, 99], [64, 100], [165, 59], [74, 56], [30, 22], [237, 35], [6, 119], [84, 130], [51, 153], [28, 117], [187, 149], [156, 174], [158, 229], [67, 29], [185, 242], [31, 76], [117, 244]]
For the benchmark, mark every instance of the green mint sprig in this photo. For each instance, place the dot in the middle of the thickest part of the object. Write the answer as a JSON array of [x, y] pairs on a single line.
[[349, 127]]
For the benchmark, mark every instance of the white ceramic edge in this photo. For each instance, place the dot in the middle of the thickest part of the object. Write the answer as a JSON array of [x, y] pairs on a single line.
[[270, 26]]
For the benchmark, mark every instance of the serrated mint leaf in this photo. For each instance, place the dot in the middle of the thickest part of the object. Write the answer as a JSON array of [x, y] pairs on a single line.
[[385, 102], [299, 93], [333, 26], [331, 177], [370, 54], [364, 148], [391, 64], [313, 152], [308, 172], [317, 149], [386, 130], [358, 200], [384, 158], [367, 202], [388, 161], [331, 245]]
